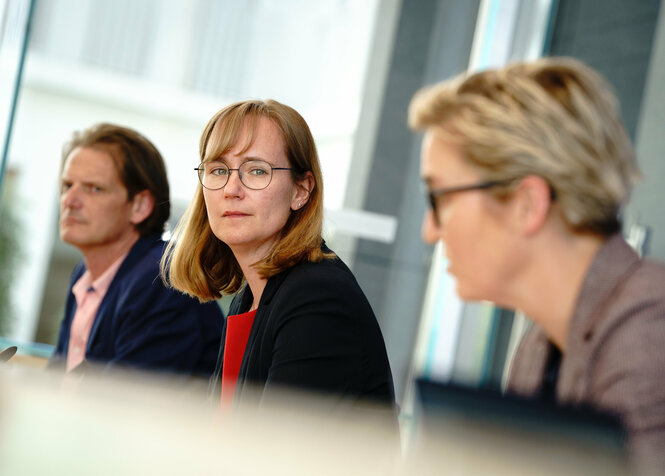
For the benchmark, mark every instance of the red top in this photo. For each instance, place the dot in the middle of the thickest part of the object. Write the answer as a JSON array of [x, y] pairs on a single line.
[[237, 333]]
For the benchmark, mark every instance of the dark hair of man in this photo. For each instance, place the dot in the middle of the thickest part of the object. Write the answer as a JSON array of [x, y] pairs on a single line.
[[139, 163]]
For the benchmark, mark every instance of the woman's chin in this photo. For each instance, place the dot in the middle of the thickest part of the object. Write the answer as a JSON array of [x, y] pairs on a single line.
[[467, 293]]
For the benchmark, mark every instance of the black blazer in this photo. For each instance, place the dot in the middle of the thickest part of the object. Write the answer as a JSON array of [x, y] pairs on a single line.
[[314, 329]]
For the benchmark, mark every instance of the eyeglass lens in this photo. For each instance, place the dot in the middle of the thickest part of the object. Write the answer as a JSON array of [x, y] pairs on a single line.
[[254, 174]]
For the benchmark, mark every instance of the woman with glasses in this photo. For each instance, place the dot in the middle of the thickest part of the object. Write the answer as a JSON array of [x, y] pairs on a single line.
[[299, 318], [528, 168]]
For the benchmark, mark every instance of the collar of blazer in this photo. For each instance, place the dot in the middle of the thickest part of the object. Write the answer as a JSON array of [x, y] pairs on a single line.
[[244, 299], [615, 262]]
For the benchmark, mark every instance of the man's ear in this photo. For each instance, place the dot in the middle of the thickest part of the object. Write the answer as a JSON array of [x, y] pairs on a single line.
[[304, 188], [143, 204], [534, 201]]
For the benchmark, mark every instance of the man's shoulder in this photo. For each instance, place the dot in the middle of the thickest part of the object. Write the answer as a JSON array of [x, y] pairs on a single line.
[[77, 272], [142, 264], [147, 251]]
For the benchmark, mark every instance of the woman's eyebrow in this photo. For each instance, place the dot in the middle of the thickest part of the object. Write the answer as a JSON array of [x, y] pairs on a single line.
[[243, 158], [253, 157]]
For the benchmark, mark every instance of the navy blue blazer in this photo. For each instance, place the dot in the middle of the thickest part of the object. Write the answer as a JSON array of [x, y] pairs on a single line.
[[141, 323], [314, 329]]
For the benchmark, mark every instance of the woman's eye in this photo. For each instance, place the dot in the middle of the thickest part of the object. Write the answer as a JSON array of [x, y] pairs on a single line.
[[258, 171], [219, 171]]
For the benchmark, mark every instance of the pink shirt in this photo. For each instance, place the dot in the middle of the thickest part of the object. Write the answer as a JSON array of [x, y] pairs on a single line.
[[89, 295]]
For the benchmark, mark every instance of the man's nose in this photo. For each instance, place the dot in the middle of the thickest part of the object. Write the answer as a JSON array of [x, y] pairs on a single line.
[[70, 197], [430, 230]]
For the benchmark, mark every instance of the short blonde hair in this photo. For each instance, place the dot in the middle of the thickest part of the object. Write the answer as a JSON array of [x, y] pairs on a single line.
[[555, 118], [196, 261]]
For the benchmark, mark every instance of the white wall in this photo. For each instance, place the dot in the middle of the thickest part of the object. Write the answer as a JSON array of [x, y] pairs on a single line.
[[164, 68]]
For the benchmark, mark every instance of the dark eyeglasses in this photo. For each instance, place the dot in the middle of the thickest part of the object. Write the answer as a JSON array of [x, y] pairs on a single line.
[[433, 195]]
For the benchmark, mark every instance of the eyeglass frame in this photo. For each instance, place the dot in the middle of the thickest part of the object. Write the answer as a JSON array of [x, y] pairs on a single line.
[[200, 171], [432, 195]]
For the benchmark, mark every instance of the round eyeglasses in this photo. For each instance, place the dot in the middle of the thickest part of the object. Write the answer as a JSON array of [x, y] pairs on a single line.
[[254, 174]]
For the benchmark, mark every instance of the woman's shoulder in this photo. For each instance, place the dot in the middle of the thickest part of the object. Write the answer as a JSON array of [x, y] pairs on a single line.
[[329, 269], [315, 281], [328, 277], [323, 288]]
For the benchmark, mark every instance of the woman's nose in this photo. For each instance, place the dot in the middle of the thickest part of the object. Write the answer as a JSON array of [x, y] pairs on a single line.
[[234, 185]]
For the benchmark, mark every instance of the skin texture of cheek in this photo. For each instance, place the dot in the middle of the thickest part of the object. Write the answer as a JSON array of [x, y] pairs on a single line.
[[466, 231], [261, 215]]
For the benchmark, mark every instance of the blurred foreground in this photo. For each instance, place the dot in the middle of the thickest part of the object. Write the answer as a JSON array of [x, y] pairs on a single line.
[[142, 424]]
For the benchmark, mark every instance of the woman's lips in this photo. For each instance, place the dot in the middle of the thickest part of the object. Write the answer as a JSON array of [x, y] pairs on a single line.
[[234, 214]]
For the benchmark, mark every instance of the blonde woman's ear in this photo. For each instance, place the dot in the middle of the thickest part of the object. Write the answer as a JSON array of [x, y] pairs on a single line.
[[534, 203]]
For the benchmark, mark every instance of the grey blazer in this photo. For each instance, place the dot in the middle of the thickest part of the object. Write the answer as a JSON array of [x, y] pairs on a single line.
[[615, 353]]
